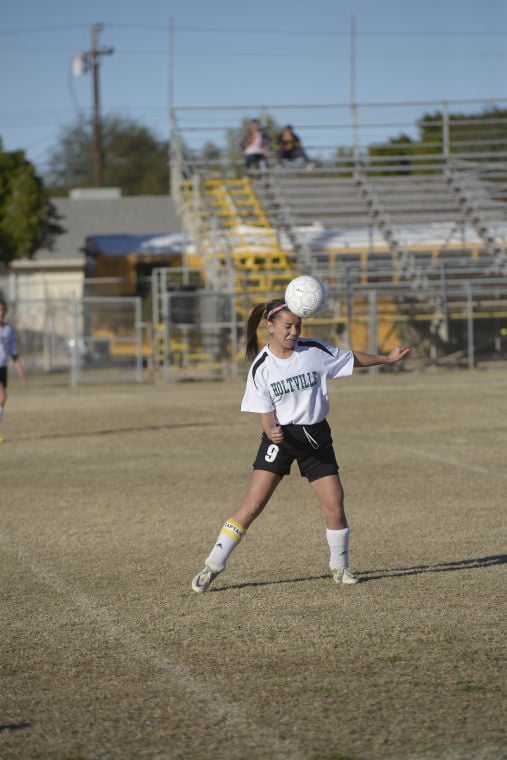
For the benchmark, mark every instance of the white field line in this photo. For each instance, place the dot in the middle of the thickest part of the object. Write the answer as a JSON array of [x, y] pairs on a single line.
[[453, 462], [268, 743]]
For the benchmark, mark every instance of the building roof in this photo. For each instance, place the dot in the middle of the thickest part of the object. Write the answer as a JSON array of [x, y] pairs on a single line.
[[84, 215], [149, 244]]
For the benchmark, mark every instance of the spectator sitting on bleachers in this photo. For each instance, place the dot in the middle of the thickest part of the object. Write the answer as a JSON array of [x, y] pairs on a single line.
[[255, 145], [290, 148]]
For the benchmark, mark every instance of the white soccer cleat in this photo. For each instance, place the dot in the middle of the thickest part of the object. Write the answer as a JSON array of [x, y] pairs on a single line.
[[204, 579], [345, 575]]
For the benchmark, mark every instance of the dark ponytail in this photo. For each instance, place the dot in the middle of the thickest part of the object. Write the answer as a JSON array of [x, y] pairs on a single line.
[[254, 320]]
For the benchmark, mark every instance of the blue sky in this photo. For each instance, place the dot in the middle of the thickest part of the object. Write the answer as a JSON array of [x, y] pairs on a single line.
[[230, 53]]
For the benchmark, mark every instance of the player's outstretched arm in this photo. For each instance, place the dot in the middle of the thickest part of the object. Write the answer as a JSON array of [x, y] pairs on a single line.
[[361, 359]]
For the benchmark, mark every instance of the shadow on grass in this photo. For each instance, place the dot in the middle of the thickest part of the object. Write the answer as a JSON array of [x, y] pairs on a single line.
[[379, 574], [442, 567], [13, 726], [112, 431]]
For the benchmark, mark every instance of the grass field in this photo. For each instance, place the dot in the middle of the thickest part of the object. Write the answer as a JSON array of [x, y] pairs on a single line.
[[111, 497]]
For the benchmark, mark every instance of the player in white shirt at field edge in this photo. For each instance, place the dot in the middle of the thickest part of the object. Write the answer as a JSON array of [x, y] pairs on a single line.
[[8, 349], [287, 387]]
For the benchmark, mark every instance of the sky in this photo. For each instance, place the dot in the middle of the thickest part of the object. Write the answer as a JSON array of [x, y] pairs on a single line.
[[218, 61]]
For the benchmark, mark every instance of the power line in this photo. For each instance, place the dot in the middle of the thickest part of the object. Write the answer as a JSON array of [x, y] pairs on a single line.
[[35, 49], [468, 54], [340, 32], [38, 29], [267, 31], [337, 56]]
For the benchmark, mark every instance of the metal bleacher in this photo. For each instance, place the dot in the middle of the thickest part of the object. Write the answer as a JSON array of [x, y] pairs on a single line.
[[417, 229], [338, 202], [341, 203], [410, 224], [241, 249]]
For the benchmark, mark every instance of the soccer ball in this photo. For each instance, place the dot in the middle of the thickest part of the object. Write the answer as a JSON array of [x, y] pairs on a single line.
[[305, 296]]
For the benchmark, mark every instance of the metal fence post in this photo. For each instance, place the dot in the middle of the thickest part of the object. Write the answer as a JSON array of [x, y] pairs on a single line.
[[470, 327], [234, 336], [372, 300], [445, 132], [166, 340], [139, 340], [46, 338], [444, 302], [349, 297], [75, 363]]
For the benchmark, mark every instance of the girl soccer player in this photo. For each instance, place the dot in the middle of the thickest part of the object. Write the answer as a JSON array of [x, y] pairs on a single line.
[[287, 386], [7, 349]]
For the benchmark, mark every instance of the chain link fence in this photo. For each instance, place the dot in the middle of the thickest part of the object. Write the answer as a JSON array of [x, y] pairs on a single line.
[[466, 331], [200, 334], [89, 339]]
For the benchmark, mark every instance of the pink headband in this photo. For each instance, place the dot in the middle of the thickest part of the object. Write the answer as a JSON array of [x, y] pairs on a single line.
[[277, 308]]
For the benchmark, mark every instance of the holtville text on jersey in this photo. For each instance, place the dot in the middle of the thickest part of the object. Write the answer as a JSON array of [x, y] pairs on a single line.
[[296, 383]]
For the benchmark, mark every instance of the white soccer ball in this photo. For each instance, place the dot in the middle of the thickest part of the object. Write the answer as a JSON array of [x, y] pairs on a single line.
[[305, 296]]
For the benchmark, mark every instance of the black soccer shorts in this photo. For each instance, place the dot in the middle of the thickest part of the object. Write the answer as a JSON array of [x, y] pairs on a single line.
[[311, 446]]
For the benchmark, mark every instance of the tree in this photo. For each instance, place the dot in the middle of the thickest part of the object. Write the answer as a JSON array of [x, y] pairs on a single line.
[[476, 137], [345, 162], [395, 154], [133, 158], [28, 219], [209, 156], [484, 132]]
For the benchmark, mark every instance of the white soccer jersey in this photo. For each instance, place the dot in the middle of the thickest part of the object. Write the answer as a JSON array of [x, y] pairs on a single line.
[[7, 344], [295, 388]]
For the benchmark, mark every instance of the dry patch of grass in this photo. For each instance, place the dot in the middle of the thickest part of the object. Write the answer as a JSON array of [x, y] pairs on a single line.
[[111, 499]]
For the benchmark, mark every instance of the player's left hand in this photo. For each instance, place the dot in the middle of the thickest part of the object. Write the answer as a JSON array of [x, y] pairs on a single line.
[[397, 353], [276, 434]]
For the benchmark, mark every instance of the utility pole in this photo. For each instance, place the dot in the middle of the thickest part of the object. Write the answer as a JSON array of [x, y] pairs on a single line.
[[353, 104], [81, 65]]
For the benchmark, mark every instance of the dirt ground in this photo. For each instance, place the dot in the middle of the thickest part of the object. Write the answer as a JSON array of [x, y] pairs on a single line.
[[112, 496]]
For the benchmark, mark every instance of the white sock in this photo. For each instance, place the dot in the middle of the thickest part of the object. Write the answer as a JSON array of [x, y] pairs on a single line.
[[228, 538], [338, 541]]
